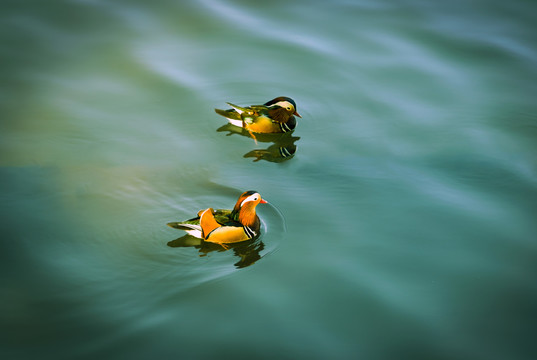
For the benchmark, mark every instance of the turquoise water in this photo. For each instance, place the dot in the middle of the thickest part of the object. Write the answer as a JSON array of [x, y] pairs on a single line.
[[403, 227]]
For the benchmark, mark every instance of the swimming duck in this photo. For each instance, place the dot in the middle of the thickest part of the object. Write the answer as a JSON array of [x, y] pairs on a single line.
[[226, 226], [275, 116]]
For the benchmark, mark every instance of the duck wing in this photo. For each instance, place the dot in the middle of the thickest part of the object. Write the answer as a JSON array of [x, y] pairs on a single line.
[[222, 216]]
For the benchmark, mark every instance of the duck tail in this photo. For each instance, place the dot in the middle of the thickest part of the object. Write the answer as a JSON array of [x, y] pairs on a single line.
[[237, 108], [183, 226], [191, 229], [230, 114]]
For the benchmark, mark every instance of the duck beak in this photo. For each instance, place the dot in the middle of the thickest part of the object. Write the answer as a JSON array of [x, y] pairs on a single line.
[[263, 201], [297, 114]]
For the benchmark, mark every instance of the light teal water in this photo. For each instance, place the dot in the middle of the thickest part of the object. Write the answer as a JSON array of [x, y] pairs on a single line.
[[402, 228]]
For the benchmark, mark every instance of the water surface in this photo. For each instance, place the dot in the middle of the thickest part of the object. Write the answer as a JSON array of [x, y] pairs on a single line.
[[402, 226]]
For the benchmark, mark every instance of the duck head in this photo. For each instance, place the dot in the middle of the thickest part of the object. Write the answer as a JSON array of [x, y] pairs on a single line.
[[244, 210], [286, 103]]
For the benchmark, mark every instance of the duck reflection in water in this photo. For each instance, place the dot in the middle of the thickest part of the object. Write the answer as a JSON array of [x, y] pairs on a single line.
[[282, 149], [246, 251]]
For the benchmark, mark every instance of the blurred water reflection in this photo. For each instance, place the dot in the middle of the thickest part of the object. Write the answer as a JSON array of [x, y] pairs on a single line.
[[282, 146]]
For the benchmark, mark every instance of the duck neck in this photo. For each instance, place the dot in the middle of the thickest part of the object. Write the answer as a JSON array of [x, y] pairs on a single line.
[[279, 114], [247, 216]]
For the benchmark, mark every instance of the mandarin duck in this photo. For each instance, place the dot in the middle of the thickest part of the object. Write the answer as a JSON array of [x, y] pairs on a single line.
[[226, 226], [275, 116]]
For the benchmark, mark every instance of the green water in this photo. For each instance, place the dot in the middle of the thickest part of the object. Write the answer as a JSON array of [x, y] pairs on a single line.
[[403, 227]]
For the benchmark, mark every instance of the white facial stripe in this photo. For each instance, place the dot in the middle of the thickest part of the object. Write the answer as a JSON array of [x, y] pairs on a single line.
[[285, 104], [253, 197]]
